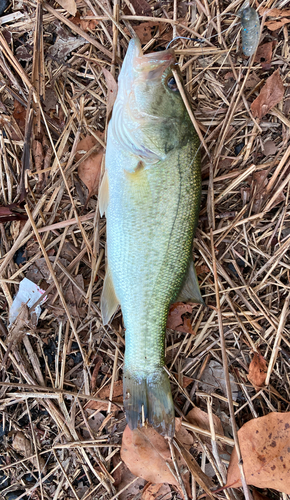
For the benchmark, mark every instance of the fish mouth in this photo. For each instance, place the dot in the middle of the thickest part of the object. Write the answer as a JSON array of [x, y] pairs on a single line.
[[153, 65]]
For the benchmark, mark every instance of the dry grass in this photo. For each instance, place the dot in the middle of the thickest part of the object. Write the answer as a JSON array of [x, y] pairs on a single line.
[[53, 94]]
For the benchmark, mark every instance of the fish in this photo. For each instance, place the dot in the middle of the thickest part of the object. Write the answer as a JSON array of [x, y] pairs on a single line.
[[250, 30], [150, 193]]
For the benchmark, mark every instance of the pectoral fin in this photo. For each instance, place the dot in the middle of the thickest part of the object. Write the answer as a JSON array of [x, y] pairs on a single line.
[[104, 194], [190, 291], [109, 301]]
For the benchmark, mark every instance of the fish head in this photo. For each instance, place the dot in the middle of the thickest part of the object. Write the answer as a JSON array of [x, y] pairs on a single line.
[[152, 115]]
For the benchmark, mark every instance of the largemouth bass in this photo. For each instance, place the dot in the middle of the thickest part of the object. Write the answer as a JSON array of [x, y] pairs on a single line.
[[151, 196]]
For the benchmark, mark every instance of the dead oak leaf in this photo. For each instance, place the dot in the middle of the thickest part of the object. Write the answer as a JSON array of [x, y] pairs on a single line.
[[175, 319], [105, 394], [112, 90], [275, 25], [69, 6], [257, 371], [274, 12], [200, 418], [156, 491], [145, 452], [85, 24], [265, 446], [270, 95], [89, 170], [141, 7], [264, 55]]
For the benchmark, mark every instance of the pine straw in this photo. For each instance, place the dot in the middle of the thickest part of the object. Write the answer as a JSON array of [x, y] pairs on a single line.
[[242, 242]]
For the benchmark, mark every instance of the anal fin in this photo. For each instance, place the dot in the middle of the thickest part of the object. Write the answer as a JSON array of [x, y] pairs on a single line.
[[109, 301], [104, 194], [190, 291]]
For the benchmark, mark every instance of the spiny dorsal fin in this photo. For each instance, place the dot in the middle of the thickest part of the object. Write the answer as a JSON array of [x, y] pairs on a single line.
[[190, 291], [109, 301], [104, 194]]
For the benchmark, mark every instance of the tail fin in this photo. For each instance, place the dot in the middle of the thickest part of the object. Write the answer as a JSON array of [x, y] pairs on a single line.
[[148, 398]]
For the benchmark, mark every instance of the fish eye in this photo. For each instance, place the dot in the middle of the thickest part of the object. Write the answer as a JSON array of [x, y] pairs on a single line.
[[171, 84]]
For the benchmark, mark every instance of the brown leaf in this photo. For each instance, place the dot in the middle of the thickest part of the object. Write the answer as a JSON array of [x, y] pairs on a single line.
[[99, 361], [270, 95], [141, 7], [275, 25], [123, 477], [175, 321], [144, 31], [265, 446], [19, 114], [202, 269], [264, 55], [23, 446], [90, 169], [85, 24], [112, 90], [257, 371], [69, 6], [105, 393], [156, 491], [200, 418], [270, 148], [145, 452], [274, 12]]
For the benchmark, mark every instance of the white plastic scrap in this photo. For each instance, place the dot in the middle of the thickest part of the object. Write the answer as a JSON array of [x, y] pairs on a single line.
[[28, 294]]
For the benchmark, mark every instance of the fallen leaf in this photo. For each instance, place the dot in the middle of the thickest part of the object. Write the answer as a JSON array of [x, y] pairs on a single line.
[[89, 170], [200, 418], [99, 361], [264, 55], [112, 89], [260, 181], [145, 452], [123, 477], [64, 46], [265, 449], [105, 393], [85, 24], [19, 114], [69, 6], [213, 378], [257, 371], [23, 446], [175, 321], [274, 12], [275, 25], [270, 95], [145, 31], [270, 148], [156, 491], [141, 7], [202, 269]]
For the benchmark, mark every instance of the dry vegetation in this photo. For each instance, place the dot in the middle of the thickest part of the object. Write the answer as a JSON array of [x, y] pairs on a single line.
[[60, 432]]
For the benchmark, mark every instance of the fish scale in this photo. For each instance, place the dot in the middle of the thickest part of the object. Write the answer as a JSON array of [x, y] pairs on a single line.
[[151, 209]]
